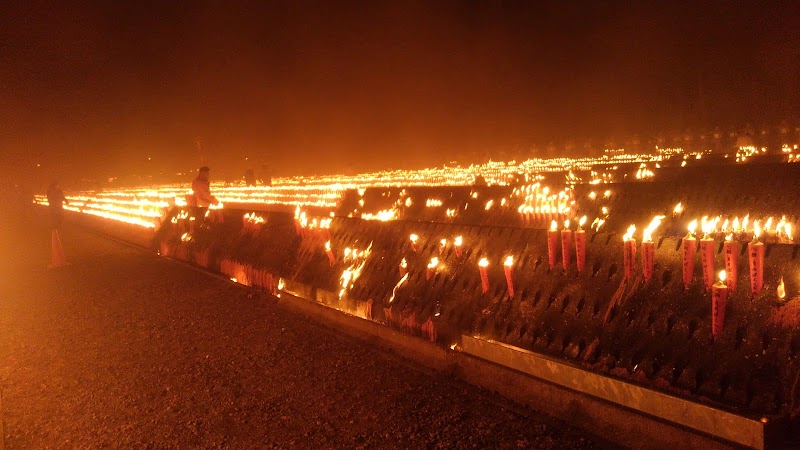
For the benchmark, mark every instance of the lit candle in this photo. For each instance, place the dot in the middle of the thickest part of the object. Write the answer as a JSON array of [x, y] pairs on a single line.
[[730, 249], [442, 245], [552, 244], [457, 242], [678, 209], [508, 266], [403, 267], [629, 251], [482, 265], [414, 239], [744, 223], [432, 268], [755, 251], [580, 245], [649, 247], [566, 246], [689, 250], [707, 255], [331, 257], [719, 299]]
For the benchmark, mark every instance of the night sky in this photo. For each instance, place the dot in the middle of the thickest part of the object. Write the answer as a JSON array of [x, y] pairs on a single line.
[[94, 89]]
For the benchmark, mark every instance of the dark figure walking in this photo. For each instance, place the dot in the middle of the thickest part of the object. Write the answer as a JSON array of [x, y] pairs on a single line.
[[56, 200]]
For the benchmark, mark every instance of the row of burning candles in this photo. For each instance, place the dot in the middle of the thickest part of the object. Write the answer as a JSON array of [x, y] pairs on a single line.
[[569, 239], [707, 249], [728, 277]]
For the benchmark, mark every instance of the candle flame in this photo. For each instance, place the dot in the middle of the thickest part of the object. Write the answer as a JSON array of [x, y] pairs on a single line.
[[736, 224], [756, 230], [509, 261], [397, 286], [787, 228], [678, 209], [566, 224], [553, 225], [434, 262], [414, 238], [745, 222], [328, 246], [692, 227], [647, 234], [483, 263], [704, 225], [729, 237], [582, 221], [458, 240], [443, 242], [592, 195], [599, 223], [781, 290], [403, 263], [629, 234], [722, 275]]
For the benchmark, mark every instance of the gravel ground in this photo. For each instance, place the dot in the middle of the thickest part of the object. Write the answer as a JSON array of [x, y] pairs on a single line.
[[126, 349]]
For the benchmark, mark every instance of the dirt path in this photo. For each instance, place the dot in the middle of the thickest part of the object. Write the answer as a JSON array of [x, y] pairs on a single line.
[[126, 349]]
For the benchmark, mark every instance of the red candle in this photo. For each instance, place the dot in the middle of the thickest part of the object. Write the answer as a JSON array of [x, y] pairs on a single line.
[[580, 245], [719, 299], [731, 251], [649, 248], [648, 254], [689, 250], [508, 266], [457, 242], [566, 246], [707, 260], [482, 265], [432, 268], [629, 252], [755, 251], [331, 257], [552, 244]]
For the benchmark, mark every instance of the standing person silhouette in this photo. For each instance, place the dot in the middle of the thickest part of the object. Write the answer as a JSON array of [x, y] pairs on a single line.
[[55, 204], [202, 194], [55, 201]]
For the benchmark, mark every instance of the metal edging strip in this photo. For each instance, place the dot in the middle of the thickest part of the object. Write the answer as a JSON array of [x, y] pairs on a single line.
[[716, 422]]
